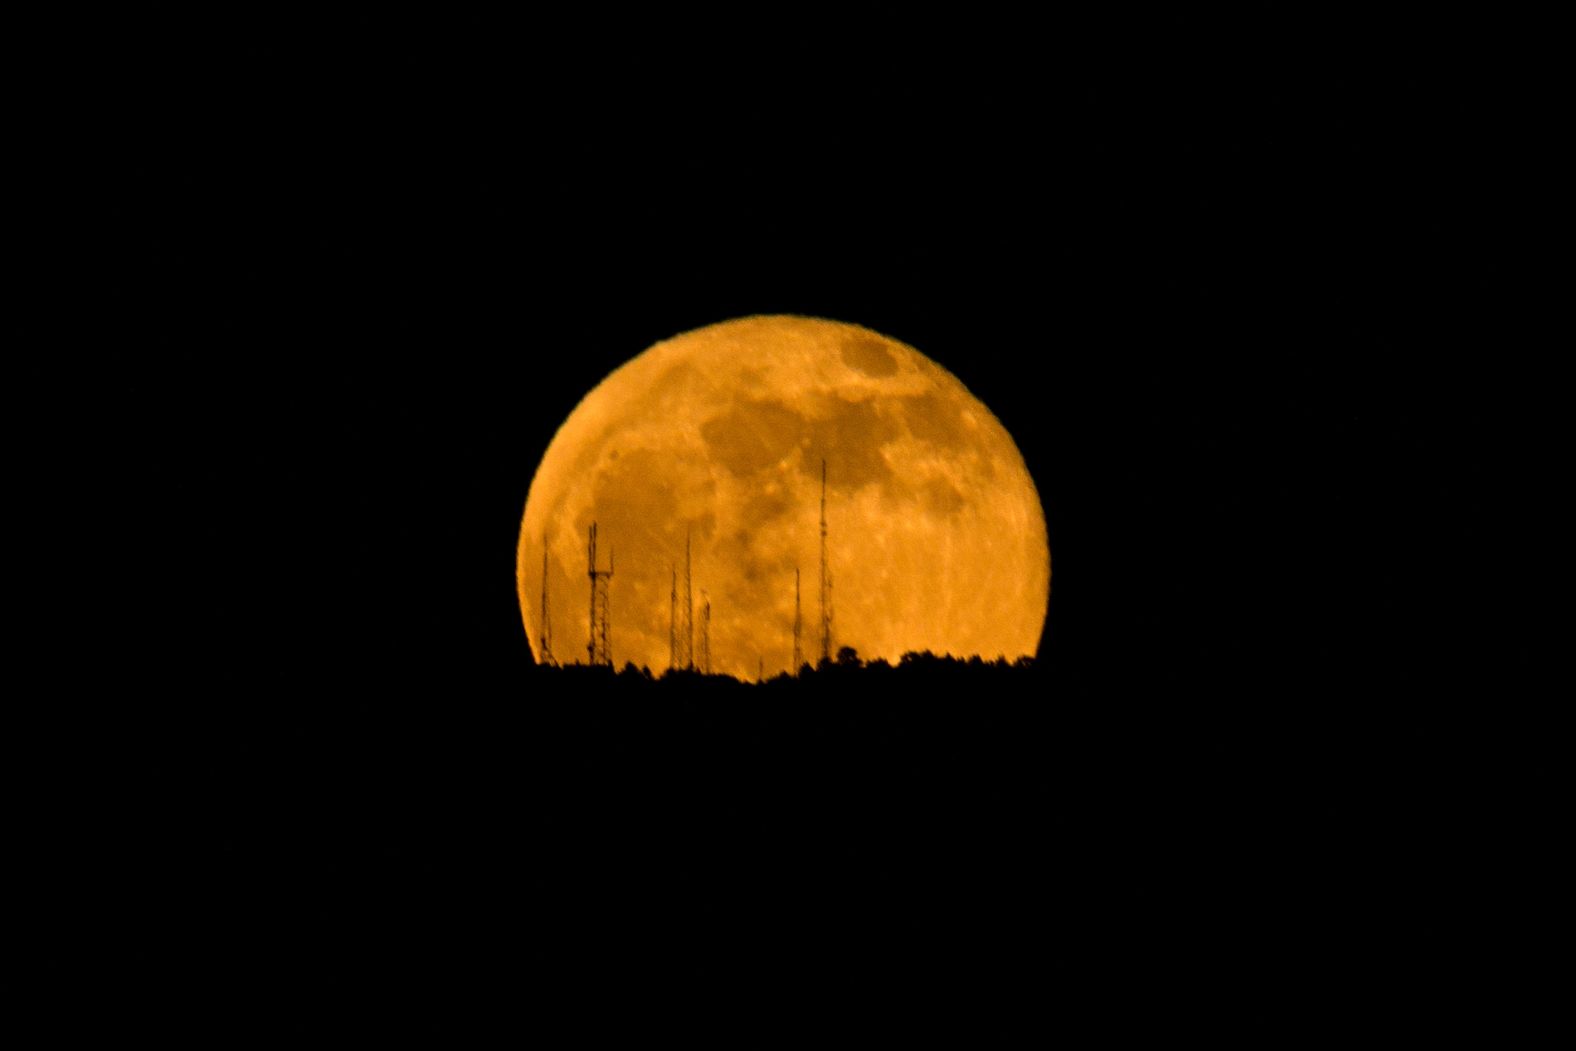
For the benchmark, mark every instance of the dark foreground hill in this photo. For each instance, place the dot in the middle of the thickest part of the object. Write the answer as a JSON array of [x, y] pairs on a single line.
[[469, 856]]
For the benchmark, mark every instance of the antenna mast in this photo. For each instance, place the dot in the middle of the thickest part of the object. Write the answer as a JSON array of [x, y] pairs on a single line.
[[687, 612], [826, 579], [547, 613], [599, 648], [705, 633], [798, 626]]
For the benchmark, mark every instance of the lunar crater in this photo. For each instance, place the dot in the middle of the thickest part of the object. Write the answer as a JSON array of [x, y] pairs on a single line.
[[869, 356]]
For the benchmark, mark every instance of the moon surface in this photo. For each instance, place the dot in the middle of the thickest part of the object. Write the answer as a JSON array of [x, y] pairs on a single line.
[[936, 537]]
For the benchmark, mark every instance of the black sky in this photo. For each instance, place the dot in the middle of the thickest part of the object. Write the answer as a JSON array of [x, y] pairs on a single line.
[[1232, 320], [1244, 318]]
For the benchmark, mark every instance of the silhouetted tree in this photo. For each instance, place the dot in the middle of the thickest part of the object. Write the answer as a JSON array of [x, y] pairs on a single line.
[[848, 657]]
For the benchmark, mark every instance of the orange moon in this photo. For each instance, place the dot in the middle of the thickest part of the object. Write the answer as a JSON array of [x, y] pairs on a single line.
[[936, 536]]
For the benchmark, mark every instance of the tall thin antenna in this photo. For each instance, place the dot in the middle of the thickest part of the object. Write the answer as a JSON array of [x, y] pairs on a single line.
[[547, 613], [826, 579], [681, 619], [798, 626], [689, 609], [705, 633], [599, 648]]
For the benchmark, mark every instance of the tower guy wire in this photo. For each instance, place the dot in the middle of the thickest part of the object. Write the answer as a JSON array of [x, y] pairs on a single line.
[[599, 648]]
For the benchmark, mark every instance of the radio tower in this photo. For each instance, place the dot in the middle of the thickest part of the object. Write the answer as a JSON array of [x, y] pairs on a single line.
[[684, 623], [826, 579], [673, 619], [705, 633], [689, 609], [598, 648], [547, 614], [798, 626]]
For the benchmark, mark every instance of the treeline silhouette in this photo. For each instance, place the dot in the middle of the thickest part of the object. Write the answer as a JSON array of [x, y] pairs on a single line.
[[846, 661]]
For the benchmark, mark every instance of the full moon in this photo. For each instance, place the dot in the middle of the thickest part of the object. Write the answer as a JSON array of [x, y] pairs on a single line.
[[935, 535]]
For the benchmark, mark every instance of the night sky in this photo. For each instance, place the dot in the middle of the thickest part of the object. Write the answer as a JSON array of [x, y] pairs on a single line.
[[1241, 322], [355, 300]]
